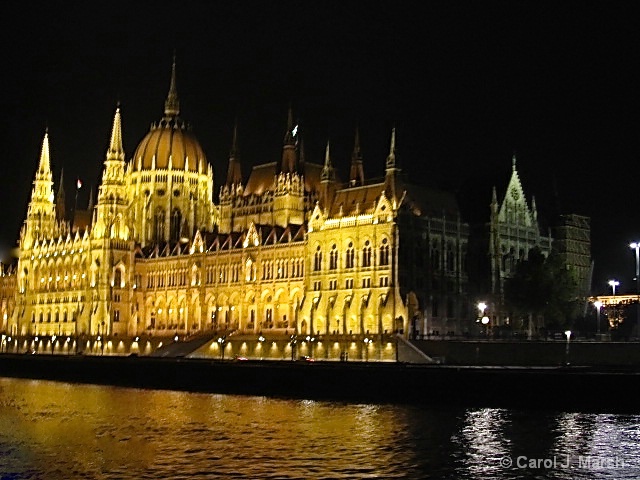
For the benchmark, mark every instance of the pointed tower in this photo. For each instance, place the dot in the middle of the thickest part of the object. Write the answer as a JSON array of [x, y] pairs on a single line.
[[60, 200], [514, 231], [41, 213], [356, 175], [288, 164], [170, 181], [112, 249], [288, 198], [172, 104], [112, 195], [391, 171], [230, 191], [234, 173], [327, 180]]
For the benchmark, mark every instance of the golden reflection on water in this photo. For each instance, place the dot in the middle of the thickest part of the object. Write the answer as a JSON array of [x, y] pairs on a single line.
[[66, 431], [52, 431]]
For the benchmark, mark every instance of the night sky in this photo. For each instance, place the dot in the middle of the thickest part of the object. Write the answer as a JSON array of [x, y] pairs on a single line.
[[465, 84]]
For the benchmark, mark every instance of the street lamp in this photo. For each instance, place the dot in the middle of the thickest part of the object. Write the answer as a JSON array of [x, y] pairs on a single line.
[[568, 335], [598, 305], [484, 319], [222, 340], [613, 284], [367, 342]]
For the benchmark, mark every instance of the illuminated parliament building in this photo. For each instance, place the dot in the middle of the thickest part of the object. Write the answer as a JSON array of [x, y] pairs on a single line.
[[288, 249]]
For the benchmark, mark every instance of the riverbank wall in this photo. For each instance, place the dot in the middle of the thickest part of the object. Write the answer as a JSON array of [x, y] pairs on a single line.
[[556, 388], [531, 353]]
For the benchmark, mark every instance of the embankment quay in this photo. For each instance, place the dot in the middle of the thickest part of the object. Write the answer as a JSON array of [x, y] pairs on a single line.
[[566, 388]]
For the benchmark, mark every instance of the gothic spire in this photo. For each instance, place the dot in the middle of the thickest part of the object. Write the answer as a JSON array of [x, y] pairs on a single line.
[[172, 104], [288, 136], [234, 173], [44, 166], [356, 175], [328, 173], [116, 152], [41, 214], [289, 148], [391, 158]]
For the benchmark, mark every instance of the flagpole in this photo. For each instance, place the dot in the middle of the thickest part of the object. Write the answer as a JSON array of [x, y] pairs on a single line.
[[75, 203]]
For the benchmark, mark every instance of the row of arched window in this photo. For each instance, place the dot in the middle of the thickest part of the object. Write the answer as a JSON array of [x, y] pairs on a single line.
[[54, 280], [366, 256], [175, 223], [445, 261], [54, 317]]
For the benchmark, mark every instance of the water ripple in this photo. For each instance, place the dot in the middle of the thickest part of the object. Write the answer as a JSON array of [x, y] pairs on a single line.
[[56, 431]]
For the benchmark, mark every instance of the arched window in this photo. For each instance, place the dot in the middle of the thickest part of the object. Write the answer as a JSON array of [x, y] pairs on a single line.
[[317, 260], [117, 278], [350, 257], [366, 254], [333, 257], [384, 252], [158, 227], [176, 221]]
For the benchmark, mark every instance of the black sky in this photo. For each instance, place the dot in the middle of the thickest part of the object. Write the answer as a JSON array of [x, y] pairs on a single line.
[[465, 84]]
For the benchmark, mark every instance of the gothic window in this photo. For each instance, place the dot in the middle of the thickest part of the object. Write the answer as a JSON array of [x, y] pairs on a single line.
[[350, 256], [317, 260], [435, 256], [450, 257], [117, 278], [333, 258], [384, 252], [158, 225], [176, 221], [250, 271], [366, 254]]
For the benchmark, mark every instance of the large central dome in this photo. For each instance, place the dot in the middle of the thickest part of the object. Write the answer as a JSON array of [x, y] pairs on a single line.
[[170, 142], [171, 193]]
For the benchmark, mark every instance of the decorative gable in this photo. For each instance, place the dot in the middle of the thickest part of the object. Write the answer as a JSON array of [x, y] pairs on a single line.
[[383, 209], [514, 208], [251, 239], [317, 218]]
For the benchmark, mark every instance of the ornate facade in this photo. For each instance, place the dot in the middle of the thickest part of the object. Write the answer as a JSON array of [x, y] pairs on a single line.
[[291, 249]]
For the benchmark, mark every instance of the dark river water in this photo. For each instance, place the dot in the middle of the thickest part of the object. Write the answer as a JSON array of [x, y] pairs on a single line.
[[52, 430]]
